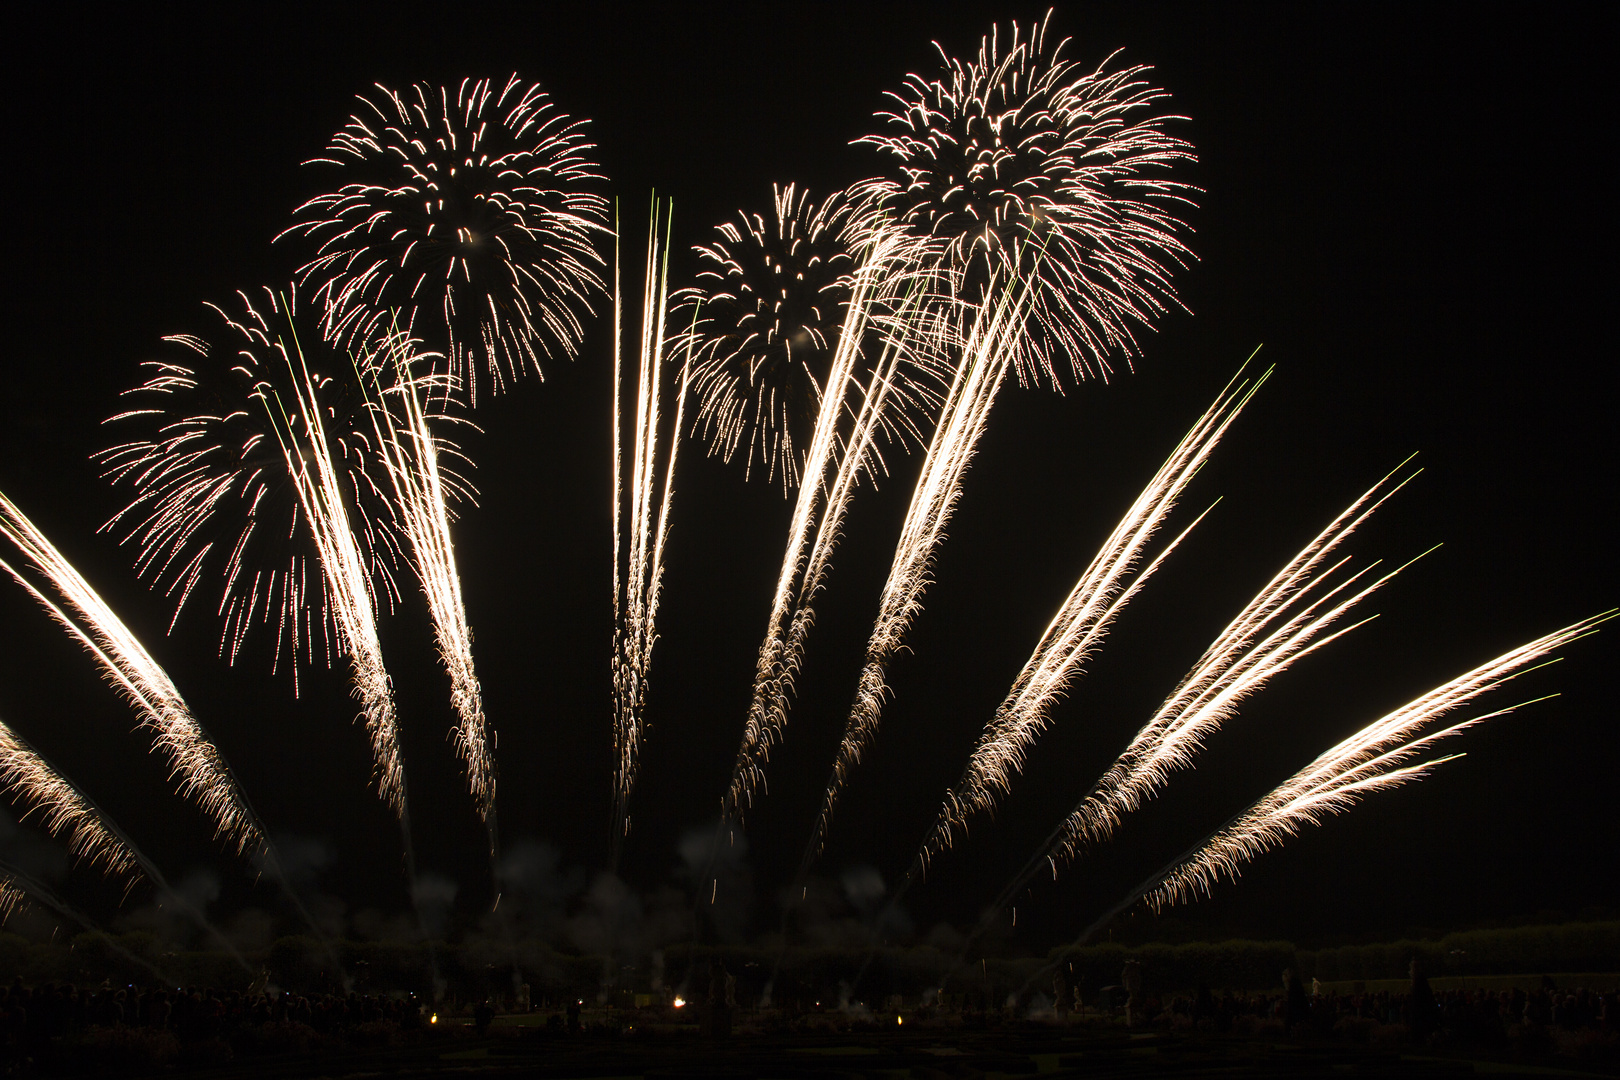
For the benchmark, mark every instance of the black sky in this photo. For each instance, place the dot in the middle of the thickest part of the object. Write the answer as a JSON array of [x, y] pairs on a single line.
[[1412, 213]]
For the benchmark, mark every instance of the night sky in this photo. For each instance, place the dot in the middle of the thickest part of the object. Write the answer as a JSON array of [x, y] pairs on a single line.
[[1409, 213]]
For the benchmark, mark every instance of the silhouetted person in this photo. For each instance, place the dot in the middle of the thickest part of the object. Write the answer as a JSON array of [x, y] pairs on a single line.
[[573, 1018], [1135, 1011], [483, 1016], [1295, 1006]]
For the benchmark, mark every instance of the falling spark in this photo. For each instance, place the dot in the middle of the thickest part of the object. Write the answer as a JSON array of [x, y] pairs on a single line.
[[1080, 625], [194, 761], [468, 217], [1023, 164], [1373, 759], [421, 491], [63, 810], [887, 289], [635, 604], [987, 355]]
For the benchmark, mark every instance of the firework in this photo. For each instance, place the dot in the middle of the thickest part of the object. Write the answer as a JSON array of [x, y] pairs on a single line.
[[195, 762], [768, 310], [887, 288], [293, 448], [1237, 665], [635, 606], [1373, 759], [421, 499], [1080, 625], [467, 218], [1020, 163], [63, 810], [214, 506], [986, 356]]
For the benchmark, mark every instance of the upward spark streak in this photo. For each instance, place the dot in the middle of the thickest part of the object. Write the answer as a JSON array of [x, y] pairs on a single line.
[[412, 455], [64, 811], [986, 358], [1237, 665], [314, 476], [636, 604], [202, 773], [1079, 627], [886, 274], [1372, 759]]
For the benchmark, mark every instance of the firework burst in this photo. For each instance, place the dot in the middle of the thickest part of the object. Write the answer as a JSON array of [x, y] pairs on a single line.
[[466, 217], [767, 312], [1022, 163], [214, 506], [288, 458]]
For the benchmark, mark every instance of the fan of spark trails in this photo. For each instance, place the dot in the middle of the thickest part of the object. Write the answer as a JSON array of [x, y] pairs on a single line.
[[765, 318], [466, 216], [1021, 163]]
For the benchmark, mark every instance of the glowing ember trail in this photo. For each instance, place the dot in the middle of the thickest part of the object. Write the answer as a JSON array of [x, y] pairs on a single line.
[[1237, 665], [1372, 759], [1080, 626], [889, 290], [421, 490], [987, 356], [195, 762], [63, 810], [315, 478], [636, 593]]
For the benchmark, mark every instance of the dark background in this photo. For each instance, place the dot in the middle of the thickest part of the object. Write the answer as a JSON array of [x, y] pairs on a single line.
[[1411, 212]]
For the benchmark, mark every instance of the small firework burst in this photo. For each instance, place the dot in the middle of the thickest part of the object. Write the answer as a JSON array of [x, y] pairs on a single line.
[[770, 298], [467, 218], [765, 320], [1022, 163], [214, 506]]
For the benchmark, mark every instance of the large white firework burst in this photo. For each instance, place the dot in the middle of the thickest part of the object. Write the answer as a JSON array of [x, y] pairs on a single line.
[[466, 217], [1022, 163]]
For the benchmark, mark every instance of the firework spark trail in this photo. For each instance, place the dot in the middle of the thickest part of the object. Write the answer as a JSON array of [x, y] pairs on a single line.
[[63, 810], [469, 218], [420, 487], [17, 885], [1237, 665], [636, 606], [202, 773], [986, 358], [314, 476], [1372, 759], [885, 273], [1080, 626]]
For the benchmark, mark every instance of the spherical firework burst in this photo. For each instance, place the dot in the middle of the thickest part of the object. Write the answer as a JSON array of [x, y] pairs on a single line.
[[770, 298], [215, 506], [765, 319], [1020, 162], [466, 215]]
